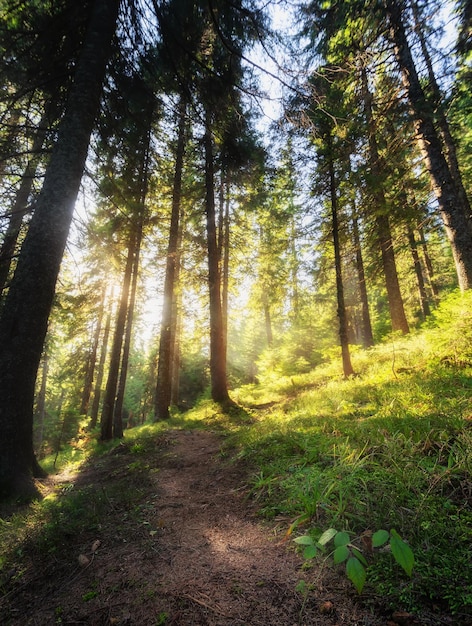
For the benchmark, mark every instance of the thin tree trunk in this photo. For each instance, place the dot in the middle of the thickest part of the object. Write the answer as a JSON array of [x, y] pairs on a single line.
[[425, 308], [63, 424], [267, 320], [101, 370], [428, 264], [456, 218], [175, 365], [40, 412], [7, 142], [382, 223], [24, 319], [294, 267], [367, 334], [395, 301], [20, 205], [163, 394], [106, 420], [120, 394], [225, 263], [143, 165], [92, 360], [341, 310], [176, 328], [219, 384]]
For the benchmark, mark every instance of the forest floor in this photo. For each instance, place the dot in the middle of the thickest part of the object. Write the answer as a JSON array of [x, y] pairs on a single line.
[[171, 536]]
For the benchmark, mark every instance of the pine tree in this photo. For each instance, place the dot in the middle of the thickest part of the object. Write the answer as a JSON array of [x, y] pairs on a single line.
[[32, 289]]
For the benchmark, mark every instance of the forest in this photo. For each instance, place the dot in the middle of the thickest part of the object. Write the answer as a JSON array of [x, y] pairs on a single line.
[[249, 222]]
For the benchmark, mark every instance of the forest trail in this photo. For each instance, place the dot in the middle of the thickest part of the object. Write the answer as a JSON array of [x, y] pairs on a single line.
[[180, 544]]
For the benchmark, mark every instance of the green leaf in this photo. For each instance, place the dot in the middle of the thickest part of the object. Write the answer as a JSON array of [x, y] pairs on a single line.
[[379, 538], [356, 573], [341, 554], [310, 552], [402, 552], [301, 587], [341, 539], [327, 536], [359, 556], [304, 540]]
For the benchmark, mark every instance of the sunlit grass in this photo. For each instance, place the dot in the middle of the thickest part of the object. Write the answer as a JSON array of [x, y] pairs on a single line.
[[388, 448]]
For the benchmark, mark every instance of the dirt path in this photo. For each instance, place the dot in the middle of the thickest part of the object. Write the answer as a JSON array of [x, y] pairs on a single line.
[[189, 550]]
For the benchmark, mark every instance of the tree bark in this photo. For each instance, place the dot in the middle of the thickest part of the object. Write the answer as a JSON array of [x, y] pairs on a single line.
[[8, 140], [101, 370], [106, 420], [457, 220], [40, 412], [24, 319], [428, 264], [92, 360], [341, 310], [175, 364], [219, 384], [163, 395], [225, 242], [176, 328], [382, 222], [425, 308], [367, 334], [267, 320], [20, 205], [120, 394], [445, 135]]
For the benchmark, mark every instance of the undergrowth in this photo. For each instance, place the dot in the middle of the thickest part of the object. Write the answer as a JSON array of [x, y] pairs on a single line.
[[387, 449]]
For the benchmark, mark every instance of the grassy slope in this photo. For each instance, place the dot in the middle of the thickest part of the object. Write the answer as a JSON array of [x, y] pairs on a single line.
[[390, 448]]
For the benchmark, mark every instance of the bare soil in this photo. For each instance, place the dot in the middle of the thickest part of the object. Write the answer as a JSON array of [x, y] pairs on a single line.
[[180, 543]]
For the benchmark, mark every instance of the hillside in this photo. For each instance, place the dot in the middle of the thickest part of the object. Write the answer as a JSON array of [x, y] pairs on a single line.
[[192, 521]]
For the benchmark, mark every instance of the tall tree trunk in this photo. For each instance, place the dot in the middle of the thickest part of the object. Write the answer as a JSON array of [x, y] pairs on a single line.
[[175, 364], [219, 384], [24, 319], [92, 360], [428, 264], [106, 420], [294, 268], [382, 222], [7, 141], [367, 334], [267, 320], [40, 412], [163, 394], [20, 205], [456, 217], [101, 369], [140, 200], [120, 394], [176, 327], [341, 310], [448, 142], [424, 303], [225, 261], [395, 301]]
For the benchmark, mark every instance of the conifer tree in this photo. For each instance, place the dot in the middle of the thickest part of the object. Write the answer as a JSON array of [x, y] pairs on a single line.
[[32, 289]]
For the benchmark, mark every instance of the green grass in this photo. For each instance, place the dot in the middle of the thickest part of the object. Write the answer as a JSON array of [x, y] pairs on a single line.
[[389, 448]]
